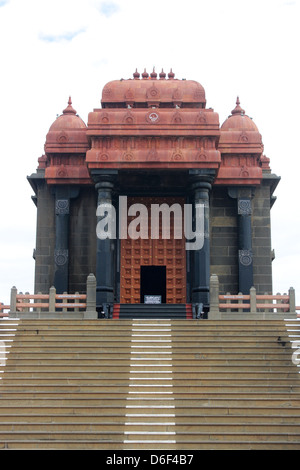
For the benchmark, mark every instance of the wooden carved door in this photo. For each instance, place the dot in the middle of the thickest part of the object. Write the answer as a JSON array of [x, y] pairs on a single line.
[[165, 252]]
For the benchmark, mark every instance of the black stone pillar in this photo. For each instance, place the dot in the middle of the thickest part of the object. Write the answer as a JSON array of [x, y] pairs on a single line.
[[105, 264], [200, 258], [245, 245], [63, 195], [61, 252]]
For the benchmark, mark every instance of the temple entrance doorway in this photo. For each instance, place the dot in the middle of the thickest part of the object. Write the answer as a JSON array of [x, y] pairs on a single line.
[[149, 261], [153, 284]]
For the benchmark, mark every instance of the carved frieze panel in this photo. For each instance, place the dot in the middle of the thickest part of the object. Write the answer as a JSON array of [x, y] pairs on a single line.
[[244, 207]]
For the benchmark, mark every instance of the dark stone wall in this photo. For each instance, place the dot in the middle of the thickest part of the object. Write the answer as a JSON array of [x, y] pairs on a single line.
[[261, 239], [224, 239], [82, 239], [45, 239]]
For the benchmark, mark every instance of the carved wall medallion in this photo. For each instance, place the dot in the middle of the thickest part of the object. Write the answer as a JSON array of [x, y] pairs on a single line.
[[62, 138], [244, 172], [61, 257], [177, 156], [152, 117], [61, 172], [153, 93], [245, 257], [244, 138], [104, 118], [103, 157], [128, 157], [129, 118], [177, 118], [201, 118]]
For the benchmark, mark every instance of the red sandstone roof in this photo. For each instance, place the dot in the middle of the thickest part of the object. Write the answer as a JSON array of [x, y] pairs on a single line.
[[67, 133], [153, 90], [241, 148], [240, 134], [239, 120]]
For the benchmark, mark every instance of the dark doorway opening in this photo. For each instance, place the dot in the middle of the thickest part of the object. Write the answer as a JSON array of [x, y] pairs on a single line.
[[153, 282]]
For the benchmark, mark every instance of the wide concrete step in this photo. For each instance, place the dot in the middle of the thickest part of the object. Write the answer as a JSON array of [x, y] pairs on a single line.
[[184, 351], [44, 360], [145, 383], [80, 323], [27, 420], [154, 370], [177, 337], [181, 436], [177, 330], [149, 403], [72, 428], [231, 389], [150, 444], [67, 358], [167, 410], [125, 394]]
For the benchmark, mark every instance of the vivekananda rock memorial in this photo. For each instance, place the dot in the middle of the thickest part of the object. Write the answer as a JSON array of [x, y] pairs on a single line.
[[153, 325], [153, 142]]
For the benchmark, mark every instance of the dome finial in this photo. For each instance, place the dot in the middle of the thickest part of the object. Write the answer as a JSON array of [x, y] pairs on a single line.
[[69, 109], [171, 75], [136, 75], [145, 74], [238, 109], [162, 74], [153, 74]]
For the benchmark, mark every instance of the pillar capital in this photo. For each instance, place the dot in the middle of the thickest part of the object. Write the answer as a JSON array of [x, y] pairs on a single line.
[[202, 179], [104, 176], [241, 192], [105, 187]]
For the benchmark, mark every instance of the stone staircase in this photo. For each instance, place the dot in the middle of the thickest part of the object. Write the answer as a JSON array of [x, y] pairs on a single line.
[[142, 311], [148, 384]]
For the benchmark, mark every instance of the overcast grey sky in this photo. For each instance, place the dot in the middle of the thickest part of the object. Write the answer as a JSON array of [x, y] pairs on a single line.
[[51, 49]]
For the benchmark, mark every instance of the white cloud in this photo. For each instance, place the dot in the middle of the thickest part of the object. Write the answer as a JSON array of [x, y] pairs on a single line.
[[108, 8]]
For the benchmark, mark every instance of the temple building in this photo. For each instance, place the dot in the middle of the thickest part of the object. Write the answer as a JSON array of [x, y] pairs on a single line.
[[153, 143]]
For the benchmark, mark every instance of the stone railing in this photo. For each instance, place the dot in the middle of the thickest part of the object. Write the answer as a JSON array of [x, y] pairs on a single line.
[[251, 306], [83, 306], [53, 305]]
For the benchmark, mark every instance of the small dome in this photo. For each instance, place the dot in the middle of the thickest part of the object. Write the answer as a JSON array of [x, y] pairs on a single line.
[[67, 134], [239, 134], [239, 121], [68, 120]]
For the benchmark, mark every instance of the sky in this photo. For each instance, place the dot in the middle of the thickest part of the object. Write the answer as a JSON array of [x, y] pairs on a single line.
[[53, 49]]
